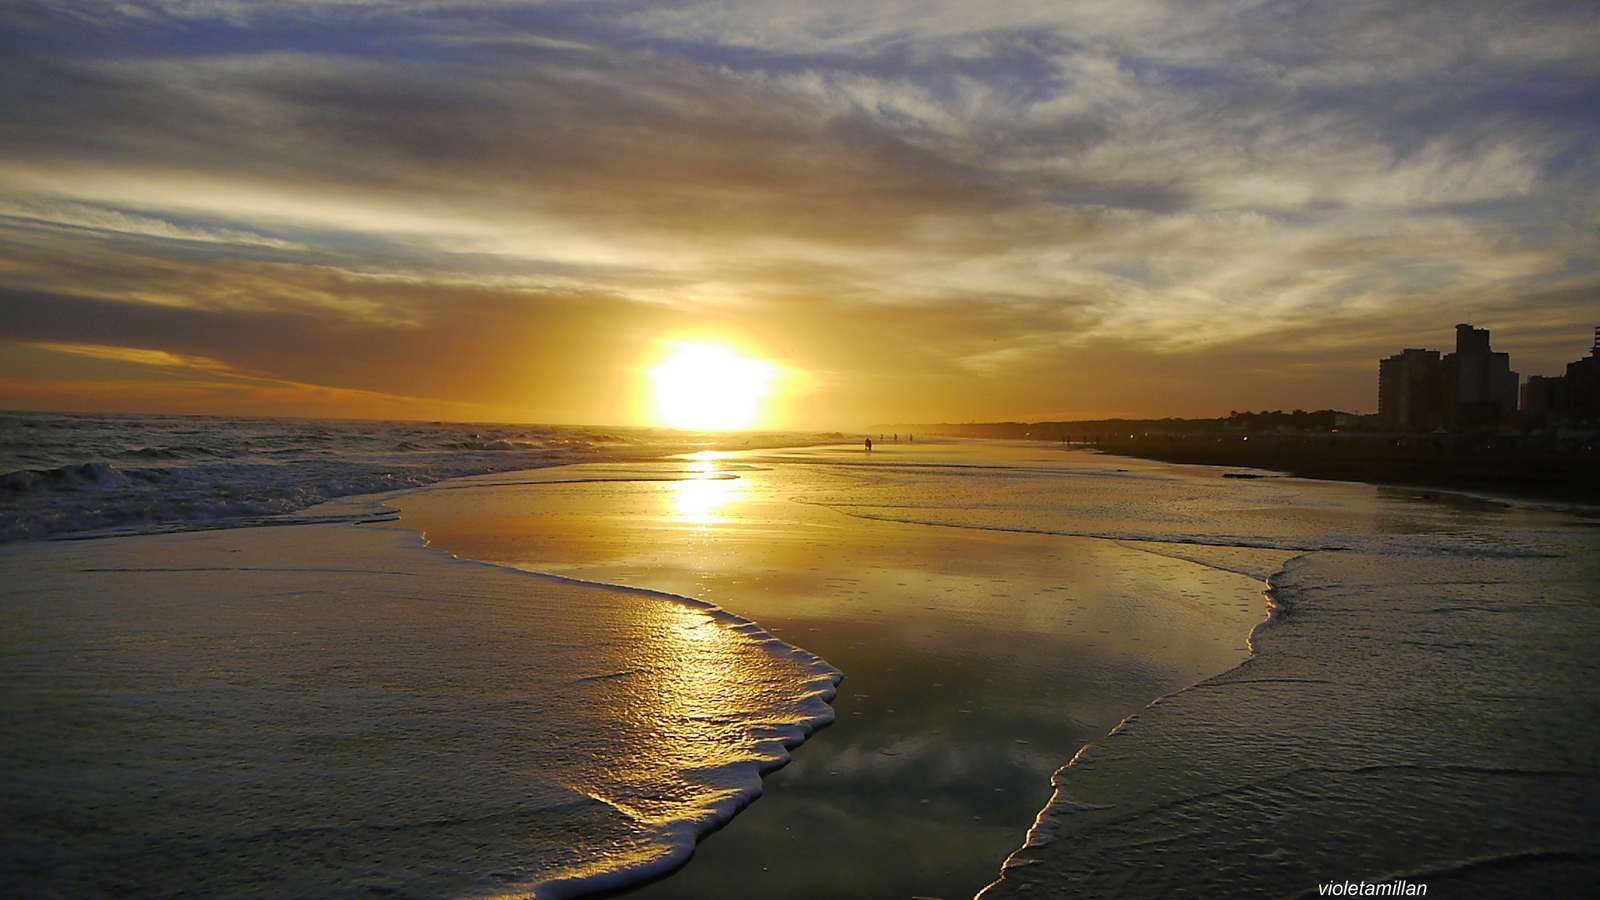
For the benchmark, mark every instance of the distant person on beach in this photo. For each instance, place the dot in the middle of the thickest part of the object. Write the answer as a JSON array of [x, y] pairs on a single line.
[[869, 443]]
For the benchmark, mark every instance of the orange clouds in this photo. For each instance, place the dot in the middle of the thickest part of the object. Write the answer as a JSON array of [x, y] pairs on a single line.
[[944, 214]]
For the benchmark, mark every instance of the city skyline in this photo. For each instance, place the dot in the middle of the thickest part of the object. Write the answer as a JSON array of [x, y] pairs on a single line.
[[518, 211], [1475, 388]]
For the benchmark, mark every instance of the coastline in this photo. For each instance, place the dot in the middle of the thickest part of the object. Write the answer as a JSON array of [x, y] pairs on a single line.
[[1425, 462], [1220, 751], [1404, 718], [66, 475], [300, 711], [947, 732]]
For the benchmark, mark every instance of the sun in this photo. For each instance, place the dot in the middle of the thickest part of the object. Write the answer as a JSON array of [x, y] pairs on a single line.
[[706, 387]]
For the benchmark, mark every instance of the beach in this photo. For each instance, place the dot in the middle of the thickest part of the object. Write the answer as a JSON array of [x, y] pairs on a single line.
[[976, 661], [535, 683], [841, 450], [331, 711], [1429, 723]]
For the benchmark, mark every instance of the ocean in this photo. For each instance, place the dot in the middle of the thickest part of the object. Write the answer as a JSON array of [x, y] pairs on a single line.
[[542, 662], [77, 473]]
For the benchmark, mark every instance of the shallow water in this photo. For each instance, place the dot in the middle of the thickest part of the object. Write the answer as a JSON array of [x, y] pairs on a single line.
[[333, 711], [1423, 718], [977, 660], [71, 473], [995, 608]]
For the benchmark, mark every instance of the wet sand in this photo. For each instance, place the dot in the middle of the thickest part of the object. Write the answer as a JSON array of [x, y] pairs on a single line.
[[333, 710], [1414, 717], [977, 661]]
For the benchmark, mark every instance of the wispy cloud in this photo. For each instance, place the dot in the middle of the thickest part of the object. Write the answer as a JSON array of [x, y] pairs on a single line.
[[143, 357], [98, 218], [966, 192]]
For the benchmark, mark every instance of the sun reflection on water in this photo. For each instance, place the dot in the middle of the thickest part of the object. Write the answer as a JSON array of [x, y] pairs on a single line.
[[700, 498], [705, 708]]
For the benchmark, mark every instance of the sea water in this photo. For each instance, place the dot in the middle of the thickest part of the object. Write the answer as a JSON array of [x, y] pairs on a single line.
[[977, 660], [328, 710], [1419, 706], [333, 711], [261, 712], [71, 473]]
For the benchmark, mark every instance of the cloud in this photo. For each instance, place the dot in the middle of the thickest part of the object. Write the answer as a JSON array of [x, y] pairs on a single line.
[[946, 190], [97, 218], [161, 381], [143, 357]]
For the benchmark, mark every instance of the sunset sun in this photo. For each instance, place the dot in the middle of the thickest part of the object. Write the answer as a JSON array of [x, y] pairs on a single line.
[[706, 387]]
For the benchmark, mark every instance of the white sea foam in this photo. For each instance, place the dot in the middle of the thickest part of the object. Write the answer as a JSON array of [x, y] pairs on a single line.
[[1421, 709], [898, 781]]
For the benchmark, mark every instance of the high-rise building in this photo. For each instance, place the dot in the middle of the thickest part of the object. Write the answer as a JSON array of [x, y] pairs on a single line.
[[1479, 387], [1544, 397], [1566, 399], [1472, 389], [1410, 391], [1582, 389]]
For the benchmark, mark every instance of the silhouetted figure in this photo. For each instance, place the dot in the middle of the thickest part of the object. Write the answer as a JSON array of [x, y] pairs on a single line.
[[869, 445]]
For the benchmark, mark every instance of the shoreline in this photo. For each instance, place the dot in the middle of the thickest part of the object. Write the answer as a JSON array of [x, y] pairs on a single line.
[[1143, 755], [126, 475], [1425, 463], [261, 691], [1374, 741], [907, 675]]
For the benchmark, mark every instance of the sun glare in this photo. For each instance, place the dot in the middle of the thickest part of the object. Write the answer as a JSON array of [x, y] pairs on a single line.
[[701, 497], [705, 387]]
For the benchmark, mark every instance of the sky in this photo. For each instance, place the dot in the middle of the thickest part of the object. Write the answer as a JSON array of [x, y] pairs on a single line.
[[511, 210]]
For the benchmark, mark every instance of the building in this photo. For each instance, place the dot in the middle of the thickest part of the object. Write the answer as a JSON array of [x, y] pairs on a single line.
[[1480, 390], [1568, 399], [1410, 391], [1543, 398], [1472, 389], [1581, 402]]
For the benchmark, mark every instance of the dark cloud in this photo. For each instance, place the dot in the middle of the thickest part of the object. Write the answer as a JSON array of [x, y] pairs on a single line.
[[468, 346]]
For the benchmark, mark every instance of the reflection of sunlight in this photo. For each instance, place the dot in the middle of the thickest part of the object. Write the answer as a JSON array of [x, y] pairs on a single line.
[[700, 498], [711, 684]]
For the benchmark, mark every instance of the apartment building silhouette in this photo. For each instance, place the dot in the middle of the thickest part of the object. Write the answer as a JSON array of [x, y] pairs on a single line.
[[1573, 397], [1474, 389]]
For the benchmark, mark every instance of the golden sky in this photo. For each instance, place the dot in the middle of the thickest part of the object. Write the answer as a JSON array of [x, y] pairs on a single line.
[[912, 211]]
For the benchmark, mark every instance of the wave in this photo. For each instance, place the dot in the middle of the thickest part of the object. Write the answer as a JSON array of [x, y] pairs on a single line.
[[457, 728], [154, 473], [68, 475], [84, 476], [1400, 715], [725, 787]]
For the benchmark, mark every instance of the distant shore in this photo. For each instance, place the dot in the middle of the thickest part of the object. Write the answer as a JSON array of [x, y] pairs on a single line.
[[1523, 470], [1519, 466]]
